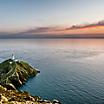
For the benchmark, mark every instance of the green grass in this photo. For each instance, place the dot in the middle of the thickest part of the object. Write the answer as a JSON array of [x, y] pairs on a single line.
[[17, 72]]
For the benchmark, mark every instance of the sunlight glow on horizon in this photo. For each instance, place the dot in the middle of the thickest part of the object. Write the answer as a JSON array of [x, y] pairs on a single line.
[[23, 15]]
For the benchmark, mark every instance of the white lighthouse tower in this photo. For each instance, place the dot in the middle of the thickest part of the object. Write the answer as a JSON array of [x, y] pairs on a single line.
[[13, 57]]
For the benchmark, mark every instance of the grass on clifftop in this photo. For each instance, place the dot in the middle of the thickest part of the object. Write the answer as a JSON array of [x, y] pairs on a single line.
[[15, 72]]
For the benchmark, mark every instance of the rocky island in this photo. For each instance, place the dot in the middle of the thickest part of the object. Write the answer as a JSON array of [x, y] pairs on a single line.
[[14, 73]]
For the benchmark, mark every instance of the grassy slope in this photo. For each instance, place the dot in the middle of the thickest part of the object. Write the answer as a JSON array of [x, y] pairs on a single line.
[[16, 73]]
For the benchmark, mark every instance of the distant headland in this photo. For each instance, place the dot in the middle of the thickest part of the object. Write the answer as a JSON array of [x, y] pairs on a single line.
[[14, 73]]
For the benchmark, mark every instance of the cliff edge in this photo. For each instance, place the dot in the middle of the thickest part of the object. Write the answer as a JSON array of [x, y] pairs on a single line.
[[14, 73]]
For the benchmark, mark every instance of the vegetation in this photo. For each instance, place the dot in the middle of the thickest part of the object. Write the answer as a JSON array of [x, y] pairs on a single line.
[[15, 73]]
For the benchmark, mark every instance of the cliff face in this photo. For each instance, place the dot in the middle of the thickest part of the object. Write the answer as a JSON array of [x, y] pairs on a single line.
[[15, 73], [17, 97]]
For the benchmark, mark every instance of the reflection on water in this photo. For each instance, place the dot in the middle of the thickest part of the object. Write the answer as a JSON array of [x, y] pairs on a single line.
[[72, 70]]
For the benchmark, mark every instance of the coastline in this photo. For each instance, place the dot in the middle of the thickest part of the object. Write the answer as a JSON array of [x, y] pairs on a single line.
[[15, 73]]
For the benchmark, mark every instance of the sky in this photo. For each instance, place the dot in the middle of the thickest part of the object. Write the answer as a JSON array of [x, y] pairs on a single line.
[[51, 16]]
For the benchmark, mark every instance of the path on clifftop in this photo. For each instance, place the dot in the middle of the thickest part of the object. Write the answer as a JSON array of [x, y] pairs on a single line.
[[11, 67]]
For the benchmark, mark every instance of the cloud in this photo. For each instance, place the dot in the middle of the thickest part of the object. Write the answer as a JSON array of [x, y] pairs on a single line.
[[62, 30], [100, 23], [40, 30], [84, 30]]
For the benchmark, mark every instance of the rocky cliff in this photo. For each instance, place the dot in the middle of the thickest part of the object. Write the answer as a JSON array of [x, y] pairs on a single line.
[[17, 97], [14, 73]]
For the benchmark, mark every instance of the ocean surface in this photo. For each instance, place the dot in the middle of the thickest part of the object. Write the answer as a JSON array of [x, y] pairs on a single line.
[[71, 70]]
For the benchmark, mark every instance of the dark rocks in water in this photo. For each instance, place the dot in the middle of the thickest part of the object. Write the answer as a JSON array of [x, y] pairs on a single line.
[[38, 71], [15, 73]]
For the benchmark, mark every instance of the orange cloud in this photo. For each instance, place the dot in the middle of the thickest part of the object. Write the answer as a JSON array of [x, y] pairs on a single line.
[[87, 30], [95, 29]]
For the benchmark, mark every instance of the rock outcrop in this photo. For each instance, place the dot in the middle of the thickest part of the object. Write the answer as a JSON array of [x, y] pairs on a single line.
[[17, 97], [14, 73]]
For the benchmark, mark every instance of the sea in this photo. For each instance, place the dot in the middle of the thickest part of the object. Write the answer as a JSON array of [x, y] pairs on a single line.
[[71, 70]]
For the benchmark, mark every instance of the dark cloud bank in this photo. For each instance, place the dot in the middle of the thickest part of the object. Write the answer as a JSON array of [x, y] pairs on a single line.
[[43, 32]]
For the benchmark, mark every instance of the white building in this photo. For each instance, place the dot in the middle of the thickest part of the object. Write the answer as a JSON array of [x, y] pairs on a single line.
[[13, 57]]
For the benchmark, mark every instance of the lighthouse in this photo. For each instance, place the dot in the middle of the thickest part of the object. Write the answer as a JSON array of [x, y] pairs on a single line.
[[13, 58]]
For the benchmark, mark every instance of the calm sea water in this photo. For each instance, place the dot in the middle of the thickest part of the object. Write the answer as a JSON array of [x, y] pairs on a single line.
[[72, 70]]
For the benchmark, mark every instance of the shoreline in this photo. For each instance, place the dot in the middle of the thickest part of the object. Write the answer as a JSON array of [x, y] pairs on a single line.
[[14, 73]]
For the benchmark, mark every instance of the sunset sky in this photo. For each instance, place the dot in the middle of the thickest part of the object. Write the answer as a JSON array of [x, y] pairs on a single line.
[[55, 17]]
